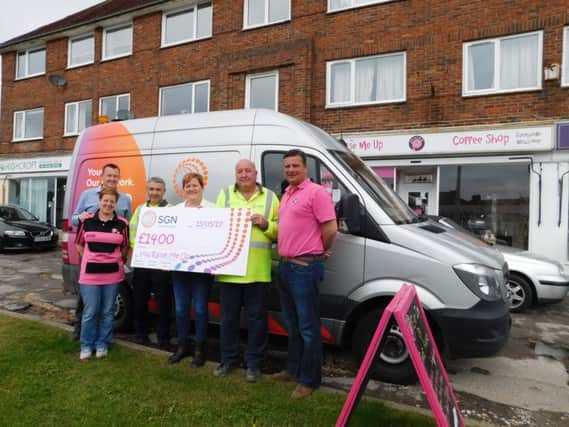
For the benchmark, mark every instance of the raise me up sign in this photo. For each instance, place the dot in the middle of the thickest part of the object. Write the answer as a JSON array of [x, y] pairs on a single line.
[[407, 311]]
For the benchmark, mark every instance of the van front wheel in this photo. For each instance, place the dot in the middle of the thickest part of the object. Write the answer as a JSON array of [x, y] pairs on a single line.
[[392, 362]]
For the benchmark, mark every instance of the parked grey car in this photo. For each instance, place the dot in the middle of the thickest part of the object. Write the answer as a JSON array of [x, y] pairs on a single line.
[[533, 278]]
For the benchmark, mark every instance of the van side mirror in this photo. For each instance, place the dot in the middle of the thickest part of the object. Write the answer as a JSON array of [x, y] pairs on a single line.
[[349, 210]]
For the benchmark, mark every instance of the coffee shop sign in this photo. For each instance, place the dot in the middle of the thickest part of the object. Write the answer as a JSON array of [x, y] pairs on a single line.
[[503, 140]]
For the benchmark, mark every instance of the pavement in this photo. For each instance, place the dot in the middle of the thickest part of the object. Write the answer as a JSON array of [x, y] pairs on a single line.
[[526, 384]]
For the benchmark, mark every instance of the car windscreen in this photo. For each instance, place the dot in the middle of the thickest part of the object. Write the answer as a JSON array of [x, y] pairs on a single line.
[[12, 213], [390, 202]]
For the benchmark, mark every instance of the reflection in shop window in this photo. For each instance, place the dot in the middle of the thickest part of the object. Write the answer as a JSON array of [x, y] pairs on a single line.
[[492, 201]]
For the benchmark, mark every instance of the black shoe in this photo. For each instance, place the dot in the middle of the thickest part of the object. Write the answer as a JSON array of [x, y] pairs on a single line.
[[165, 345], [223, 370], [142, 340], [182, 351], [199, 355]]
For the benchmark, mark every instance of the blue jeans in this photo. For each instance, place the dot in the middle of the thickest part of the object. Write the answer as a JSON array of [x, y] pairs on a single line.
[[300, 302], [188, 286], [98, 315], [254, 297]]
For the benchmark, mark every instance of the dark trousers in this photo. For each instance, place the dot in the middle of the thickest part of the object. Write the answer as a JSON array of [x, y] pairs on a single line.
[[253, 296], [188, 287], [300, 302], [145, 281]]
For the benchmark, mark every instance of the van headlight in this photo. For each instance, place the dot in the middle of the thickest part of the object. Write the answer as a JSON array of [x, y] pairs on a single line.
[[480, 279]]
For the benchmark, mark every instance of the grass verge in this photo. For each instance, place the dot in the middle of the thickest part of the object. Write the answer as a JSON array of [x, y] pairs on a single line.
[[42, 382]]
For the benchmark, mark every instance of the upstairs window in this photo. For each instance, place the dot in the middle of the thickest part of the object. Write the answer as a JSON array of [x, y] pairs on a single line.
[[187, 25], [501, 65], [117, 42], [368, 80], [81, 51], [185, 98], [265, 12], [28, 124], [262, 91], [335, 5], [565, 64], [111, 105], [77, 116], [30, 63]]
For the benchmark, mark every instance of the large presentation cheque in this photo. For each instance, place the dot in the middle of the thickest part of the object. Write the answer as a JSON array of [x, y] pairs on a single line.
[[207, 240]]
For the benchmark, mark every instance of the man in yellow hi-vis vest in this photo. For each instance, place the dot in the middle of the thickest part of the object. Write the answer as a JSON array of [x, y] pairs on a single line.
[[146, 280], [249, 290]]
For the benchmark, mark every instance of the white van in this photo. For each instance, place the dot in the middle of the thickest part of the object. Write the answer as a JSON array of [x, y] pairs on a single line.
[[382, 243]]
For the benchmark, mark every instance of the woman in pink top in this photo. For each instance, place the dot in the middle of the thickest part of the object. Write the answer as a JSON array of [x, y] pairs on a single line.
[[102, 243]]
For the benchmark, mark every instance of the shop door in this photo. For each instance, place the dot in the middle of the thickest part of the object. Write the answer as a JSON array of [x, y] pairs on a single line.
[[419, 190]]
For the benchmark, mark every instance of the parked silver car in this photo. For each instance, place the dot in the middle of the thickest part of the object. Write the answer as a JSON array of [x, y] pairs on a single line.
[[533, 278]]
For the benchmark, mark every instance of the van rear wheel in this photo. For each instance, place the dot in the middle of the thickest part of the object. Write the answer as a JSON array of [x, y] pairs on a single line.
[[392, 362]]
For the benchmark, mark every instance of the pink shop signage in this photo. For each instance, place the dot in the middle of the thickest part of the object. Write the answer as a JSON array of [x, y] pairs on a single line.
[[507, 140]]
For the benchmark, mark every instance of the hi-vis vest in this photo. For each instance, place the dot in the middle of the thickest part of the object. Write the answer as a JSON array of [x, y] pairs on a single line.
[[134, 220], [263, 202]]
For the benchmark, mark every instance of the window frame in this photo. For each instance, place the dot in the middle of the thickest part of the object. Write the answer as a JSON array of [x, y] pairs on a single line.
[[193, 84], [27, 52], [76, 103], [497, 62], [565, 58], [353, 5], [117, 96], [194, 8], [69, 45], [250, 77], [104, 43], [265, 22], [24, 112], [352, 62]]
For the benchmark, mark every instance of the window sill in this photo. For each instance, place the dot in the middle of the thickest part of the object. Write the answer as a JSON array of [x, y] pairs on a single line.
[[31, 76], [181, 42], [112, 58], [70, 135], [358, 6], [502, 92], [254, 27], [15, 141], [84, 64], [366, 104]]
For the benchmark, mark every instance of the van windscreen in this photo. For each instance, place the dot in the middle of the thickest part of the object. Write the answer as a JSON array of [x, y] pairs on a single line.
[[390, 202]]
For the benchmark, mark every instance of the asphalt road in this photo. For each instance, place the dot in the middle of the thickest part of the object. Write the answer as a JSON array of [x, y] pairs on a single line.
[[526, 384]]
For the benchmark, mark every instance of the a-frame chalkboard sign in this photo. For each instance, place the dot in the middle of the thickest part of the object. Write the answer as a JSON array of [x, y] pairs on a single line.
[[408, 312]]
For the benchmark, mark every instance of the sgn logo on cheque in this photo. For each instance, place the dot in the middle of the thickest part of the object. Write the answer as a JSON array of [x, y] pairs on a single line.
[[167, 219]]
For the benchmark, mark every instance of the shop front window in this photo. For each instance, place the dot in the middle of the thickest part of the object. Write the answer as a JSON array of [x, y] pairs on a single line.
[[38, 195], [491, 201]]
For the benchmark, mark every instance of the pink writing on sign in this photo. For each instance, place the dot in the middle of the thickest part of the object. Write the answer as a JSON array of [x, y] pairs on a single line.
[[407, 311]]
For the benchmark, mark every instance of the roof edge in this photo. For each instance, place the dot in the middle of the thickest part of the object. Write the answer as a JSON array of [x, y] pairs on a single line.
[[4, 47]]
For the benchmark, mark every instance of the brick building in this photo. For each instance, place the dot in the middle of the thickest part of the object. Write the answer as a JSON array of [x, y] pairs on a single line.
[[458, 104]]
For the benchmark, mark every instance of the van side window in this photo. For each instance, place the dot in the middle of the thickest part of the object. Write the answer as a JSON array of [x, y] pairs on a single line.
[[273, 175]]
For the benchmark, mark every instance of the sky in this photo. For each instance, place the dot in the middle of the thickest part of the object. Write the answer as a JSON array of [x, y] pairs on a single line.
[[18, 17]]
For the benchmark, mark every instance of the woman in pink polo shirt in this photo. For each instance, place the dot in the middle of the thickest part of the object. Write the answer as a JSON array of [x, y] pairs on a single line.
[[102, 243]]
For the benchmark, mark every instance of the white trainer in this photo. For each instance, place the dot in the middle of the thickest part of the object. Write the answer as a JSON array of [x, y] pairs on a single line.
[[101, 352], [85, 355]]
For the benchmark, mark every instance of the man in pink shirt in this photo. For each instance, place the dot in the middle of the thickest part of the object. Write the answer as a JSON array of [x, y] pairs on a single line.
[[307, 229]]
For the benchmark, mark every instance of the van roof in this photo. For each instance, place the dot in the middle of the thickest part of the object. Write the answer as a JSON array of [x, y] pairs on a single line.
[[295, 132]]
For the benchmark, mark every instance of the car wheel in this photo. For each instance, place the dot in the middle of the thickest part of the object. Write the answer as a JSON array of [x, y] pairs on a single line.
[[392, 362], [123, 309], [520, 293]]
